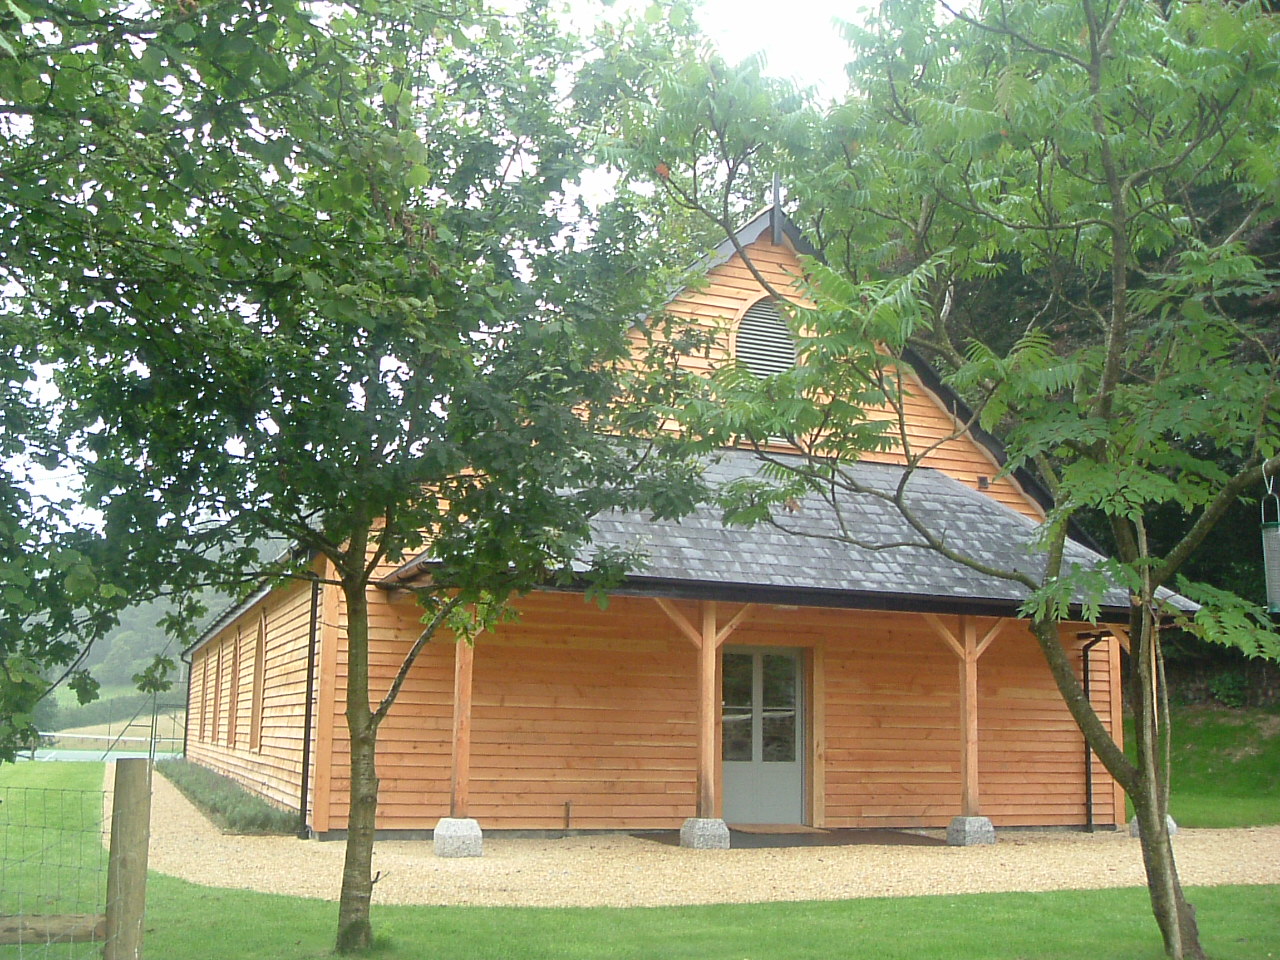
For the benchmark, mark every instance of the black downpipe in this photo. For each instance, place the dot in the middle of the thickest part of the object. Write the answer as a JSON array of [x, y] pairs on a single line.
[[186, 723], [304, 831], [1088, 753]]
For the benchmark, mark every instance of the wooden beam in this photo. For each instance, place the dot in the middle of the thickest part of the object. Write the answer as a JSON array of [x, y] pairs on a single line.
[[970, 805], [818, 734], [990, 636], [1122, 635], [947, 636], [127, 861], [708, 714], [680, 620], [738, 619], [65, 928], [460, 780]]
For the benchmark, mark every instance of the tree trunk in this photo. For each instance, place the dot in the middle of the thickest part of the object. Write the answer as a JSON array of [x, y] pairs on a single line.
[[1143, 782], [355, 931], [1174, 915]]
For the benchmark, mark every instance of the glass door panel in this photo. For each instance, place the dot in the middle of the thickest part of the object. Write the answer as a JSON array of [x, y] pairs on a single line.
[[778, 708], [737, 712]]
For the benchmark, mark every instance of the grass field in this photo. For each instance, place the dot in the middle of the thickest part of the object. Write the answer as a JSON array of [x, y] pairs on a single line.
[[1226, 767], [189, 922], [169, 724], [52, 859]]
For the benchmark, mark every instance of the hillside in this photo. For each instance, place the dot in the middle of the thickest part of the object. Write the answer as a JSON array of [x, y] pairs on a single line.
[[1226, 767]]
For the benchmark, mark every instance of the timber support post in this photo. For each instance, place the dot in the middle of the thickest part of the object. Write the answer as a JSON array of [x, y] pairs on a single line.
[[459, 835], [127, 860], [706, 830], [970, 828]]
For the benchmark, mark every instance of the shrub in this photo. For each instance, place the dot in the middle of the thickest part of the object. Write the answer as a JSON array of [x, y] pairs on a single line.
[[1229, 689], [233, 808]]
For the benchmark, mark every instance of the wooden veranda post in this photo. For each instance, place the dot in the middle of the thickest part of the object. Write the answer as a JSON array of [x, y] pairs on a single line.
[[708, 642], [127, 860], [968, 649], [970, 804], [708, 715], [460, 784]]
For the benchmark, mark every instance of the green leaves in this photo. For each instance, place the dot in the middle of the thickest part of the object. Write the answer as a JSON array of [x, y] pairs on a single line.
[[306, 277], [1227, 619]]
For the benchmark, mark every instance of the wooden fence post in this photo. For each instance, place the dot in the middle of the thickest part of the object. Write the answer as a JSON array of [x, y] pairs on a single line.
[[127, 860]]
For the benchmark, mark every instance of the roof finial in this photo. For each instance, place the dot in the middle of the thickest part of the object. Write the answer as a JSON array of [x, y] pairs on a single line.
[[775, 210]]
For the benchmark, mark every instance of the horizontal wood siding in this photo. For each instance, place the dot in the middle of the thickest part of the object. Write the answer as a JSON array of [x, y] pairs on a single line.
[[1030, 751], [592, 715], [893, 742], [573, 705], [717, 306], [274, 770], [893, 735]]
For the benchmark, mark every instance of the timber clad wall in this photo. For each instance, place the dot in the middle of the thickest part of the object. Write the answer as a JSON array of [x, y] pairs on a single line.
[[572, 705], [730, 289], [274, 769], [582, 707], [598, 710]]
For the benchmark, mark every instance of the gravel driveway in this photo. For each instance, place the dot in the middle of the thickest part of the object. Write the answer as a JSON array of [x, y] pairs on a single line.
[[623, 871]]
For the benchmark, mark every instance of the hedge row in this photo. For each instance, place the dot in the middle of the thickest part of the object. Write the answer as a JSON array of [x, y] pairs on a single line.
[[225, 802]]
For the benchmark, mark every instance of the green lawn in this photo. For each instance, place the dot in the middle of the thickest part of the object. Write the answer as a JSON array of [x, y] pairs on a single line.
[[189, 922], [186, 922], [51, 853], [1226, 766]]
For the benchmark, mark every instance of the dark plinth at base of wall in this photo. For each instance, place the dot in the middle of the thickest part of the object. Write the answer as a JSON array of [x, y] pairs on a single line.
[[428, 834]]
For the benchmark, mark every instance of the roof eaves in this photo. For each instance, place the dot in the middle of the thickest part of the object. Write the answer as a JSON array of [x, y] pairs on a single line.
[[229, 616], [642, 586], [762, 223], [233, 611]]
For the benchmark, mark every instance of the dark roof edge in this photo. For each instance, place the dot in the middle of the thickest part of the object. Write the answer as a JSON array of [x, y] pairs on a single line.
[[762, 223], [229, 615], [1030, 483], [235, 610], [640, 586]]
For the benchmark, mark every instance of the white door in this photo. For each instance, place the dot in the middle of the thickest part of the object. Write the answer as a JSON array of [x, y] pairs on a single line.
[[763, 749]]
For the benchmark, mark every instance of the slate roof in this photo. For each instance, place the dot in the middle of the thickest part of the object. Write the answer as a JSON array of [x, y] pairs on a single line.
[[699, 556]]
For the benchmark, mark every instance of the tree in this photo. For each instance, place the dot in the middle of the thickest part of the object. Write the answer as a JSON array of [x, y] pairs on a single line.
[[319, 274], [1113, 161]]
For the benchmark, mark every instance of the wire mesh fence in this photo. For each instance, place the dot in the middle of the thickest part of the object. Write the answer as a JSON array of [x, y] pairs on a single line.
[[53, 873], [72, 883]]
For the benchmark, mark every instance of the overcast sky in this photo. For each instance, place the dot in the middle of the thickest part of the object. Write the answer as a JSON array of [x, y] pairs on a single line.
[[799, 38]]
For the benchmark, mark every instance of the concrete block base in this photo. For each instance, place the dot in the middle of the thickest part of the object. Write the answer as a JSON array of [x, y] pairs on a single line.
[[1136, 831], [970, 832], [457, 837], [702, 833]]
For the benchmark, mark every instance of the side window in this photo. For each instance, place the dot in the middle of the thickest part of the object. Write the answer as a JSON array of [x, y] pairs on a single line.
[[217, 691], [259, 677], [762, 342], [203, 702], [233, 697]]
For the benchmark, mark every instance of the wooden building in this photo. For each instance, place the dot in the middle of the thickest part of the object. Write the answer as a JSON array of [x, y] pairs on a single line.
[[743, 675]]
